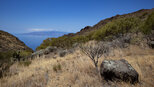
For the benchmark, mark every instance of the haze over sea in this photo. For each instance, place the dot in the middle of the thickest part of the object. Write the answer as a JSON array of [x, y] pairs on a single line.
[[34, 39]]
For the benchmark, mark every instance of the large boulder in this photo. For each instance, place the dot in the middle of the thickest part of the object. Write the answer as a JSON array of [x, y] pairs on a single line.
[[37, 54], [62, 53], [151, 43], [49, 49], [118, 70], [42, 52]]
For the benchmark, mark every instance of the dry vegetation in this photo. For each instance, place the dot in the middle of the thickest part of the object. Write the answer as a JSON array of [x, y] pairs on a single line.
[[77, 70], [10, 42]]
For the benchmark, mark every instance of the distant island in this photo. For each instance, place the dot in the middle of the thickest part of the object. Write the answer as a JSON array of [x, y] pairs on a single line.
[[45, 33], [34, 39]]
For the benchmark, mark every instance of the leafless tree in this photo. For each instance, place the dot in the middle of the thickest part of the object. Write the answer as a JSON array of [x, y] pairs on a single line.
[[94, 50]]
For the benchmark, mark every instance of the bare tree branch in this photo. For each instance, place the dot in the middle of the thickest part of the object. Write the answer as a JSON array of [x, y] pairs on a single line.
[[94, 50]]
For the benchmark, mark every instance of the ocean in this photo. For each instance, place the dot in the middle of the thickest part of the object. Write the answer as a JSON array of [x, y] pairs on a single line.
[[32, 41]]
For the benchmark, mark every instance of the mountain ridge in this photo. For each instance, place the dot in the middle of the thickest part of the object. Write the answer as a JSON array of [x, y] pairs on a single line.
[[107, 29], [103, 22], [10, 42]]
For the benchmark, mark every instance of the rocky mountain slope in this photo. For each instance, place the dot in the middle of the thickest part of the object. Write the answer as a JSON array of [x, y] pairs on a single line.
[[143, 13], [10, 42], [141, 21], [11, 50]]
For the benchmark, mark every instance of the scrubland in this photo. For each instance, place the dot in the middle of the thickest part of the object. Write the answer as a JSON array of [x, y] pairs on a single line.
[[77, 70]]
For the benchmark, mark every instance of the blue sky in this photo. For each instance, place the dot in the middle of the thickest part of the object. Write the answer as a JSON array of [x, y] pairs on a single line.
[[20, 16]]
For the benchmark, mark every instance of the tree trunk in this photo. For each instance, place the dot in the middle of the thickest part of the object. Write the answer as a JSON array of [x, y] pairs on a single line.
[[96, 66]]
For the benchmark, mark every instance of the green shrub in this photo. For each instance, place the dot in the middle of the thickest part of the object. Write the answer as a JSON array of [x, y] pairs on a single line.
[[25, 63], [7, 59], [21, 54], [6, 56], [25, 53], [63, 42], [5, 62], [149, 24], [57, 67], [143, 15], [135, 40], [115, 27]]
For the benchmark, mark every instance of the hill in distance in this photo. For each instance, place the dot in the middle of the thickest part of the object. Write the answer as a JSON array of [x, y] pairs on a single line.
[[46, 33], [9, 42]]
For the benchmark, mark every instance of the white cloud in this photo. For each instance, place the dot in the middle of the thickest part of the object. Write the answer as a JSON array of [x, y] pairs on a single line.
[[39, 29]]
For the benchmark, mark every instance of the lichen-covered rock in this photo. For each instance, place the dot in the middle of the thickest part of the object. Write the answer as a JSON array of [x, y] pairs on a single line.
[[37, 54], [51, 49], [42, 52], [62, 53], [151, 44], [118, 70]]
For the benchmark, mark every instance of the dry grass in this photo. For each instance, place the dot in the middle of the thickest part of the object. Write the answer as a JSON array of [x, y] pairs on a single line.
[[77, 70]]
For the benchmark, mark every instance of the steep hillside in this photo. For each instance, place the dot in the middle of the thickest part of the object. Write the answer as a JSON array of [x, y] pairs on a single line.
[[11, 50], [142, 14], [10, 42], [141, 21]]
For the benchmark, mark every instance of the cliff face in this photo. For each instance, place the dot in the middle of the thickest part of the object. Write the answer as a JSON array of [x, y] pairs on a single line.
[[10, 42]]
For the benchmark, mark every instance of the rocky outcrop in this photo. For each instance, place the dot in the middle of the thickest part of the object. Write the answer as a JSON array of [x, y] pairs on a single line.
[[151, 44], [151, 40], [51, 52], [121, 41], [42, 52], [62, 52], [118, 70]]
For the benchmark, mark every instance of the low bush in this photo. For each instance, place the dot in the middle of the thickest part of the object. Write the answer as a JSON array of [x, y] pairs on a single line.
[[57, 67], [115, 27], [63, 42], [25, 63], [148, 24], [25, 53], [5, 62], [9, 57]]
